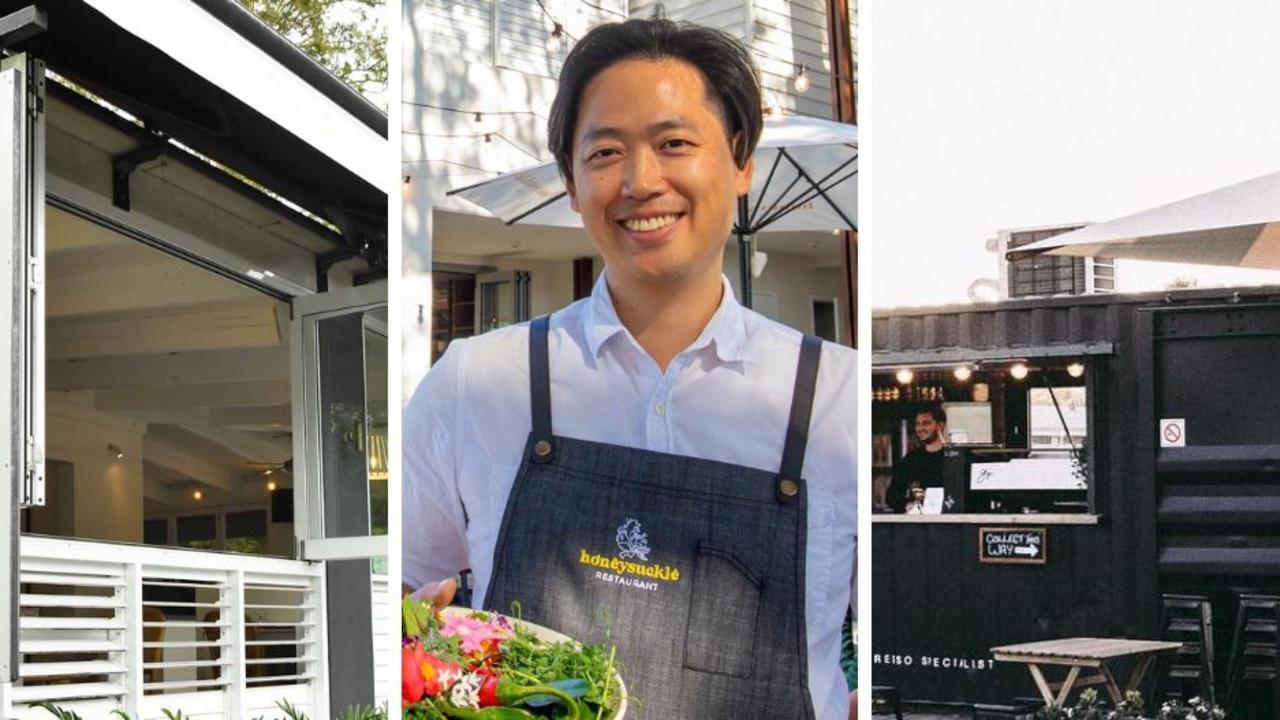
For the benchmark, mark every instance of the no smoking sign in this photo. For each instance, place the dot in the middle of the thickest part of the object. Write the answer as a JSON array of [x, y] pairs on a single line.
[[1173, 432]]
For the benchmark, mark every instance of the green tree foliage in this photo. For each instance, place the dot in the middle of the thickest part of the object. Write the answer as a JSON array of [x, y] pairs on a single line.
[[349, 37]]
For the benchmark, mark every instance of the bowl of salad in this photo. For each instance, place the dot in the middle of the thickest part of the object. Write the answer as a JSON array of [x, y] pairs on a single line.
[[477, 665]]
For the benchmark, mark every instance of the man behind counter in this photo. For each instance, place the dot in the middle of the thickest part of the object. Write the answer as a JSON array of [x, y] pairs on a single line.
[[922, 466]]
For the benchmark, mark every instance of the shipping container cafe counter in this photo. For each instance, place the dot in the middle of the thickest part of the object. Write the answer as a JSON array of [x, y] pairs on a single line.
[[1111, 469]]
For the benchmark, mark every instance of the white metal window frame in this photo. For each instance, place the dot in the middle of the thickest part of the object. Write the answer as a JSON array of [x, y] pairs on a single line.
[[21, 275], [308, 419]]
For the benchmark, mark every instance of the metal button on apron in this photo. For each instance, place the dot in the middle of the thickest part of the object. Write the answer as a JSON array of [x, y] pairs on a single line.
[[693, 568]]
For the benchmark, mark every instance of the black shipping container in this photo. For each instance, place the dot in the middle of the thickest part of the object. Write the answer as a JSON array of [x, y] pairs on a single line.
[[1201, 519]]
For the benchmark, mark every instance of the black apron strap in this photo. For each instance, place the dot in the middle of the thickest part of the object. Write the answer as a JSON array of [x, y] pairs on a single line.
[[801, 411], [540, 388]]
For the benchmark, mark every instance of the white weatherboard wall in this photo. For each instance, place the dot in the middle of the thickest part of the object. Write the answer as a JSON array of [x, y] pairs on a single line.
[[730, 16], [782, 34], [493, 56]]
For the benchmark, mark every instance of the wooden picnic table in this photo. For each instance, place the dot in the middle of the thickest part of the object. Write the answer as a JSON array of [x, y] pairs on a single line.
[[1083, 653]]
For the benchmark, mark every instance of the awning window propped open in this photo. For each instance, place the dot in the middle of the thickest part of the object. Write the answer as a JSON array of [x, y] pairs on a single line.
[[212, 76]]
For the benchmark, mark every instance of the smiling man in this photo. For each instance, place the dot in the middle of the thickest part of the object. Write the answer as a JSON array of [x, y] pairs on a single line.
[[654, 463]]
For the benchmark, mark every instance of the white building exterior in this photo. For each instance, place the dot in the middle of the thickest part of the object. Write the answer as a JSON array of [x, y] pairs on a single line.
[[480, 68], [196, 427]]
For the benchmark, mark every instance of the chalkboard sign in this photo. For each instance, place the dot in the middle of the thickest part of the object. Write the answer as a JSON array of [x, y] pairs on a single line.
[[1013, 545]]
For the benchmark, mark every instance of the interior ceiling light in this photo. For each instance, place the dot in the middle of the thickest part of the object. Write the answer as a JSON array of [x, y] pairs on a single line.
[[1075, 369], [905, 376], [963, 373], [1018, 371]]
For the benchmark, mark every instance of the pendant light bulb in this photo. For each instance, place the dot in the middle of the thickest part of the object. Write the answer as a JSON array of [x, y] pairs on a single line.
[[905, 376], [802, 81], [1075, 369], [963, 373], [1018, 371]]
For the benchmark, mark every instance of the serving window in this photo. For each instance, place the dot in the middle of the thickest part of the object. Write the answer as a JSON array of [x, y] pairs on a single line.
[[1003, 436]]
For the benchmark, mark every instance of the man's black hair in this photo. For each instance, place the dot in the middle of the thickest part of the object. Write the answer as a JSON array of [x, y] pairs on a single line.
[[935, 411], [725, 65]]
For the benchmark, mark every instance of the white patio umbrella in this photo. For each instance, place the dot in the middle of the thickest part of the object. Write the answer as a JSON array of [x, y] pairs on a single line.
[[805, 180], [1237, 226]]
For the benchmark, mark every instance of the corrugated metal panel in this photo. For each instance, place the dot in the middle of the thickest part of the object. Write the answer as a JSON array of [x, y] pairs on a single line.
[[1029, 323]]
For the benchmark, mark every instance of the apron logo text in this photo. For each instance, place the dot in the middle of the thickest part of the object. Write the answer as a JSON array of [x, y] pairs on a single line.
[[626, 581], [618, 566]]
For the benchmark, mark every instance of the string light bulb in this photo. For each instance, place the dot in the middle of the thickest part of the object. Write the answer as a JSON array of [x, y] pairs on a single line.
[[1018, 371], [905, 376], [963, 373], [802, 81], [1075, 369], [271, 486], [488, 137], [479, 116], [557, 30]]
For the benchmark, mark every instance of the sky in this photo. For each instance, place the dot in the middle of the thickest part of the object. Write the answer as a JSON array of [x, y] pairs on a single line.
[[1000, 114]]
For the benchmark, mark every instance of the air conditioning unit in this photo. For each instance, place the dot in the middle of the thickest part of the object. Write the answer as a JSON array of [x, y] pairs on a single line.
[[1049, 275]]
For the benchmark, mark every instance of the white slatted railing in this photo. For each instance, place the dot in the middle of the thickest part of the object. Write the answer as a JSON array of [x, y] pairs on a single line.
[[144, 629], [385, 676]]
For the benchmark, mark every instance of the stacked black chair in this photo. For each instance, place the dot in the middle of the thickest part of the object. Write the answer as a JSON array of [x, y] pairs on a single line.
[[1187, 619], [1255, 647], [884, 700]]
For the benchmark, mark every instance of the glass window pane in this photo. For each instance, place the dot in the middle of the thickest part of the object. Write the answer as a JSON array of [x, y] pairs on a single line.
[[247, 531], [156, 532], [343, 440], [375, 388], [353, 405], [198, 531], [1047, 426]]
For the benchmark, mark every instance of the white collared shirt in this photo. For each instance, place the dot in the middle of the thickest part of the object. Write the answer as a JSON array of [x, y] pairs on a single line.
[[727, 397]]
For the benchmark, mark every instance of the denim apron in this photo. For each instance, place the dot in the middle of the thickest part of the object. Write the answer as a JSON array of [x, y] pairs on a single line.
[[694, 569]]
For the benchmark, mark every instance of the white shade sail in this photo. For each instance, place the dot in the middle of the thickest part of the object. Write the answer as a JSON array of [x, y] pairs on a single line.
[[1237, 226]]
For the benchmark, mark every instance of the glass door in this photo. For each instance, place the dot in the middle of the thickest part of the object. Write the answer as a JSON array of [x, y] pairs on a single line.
[[503, 298], [340, 424]]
